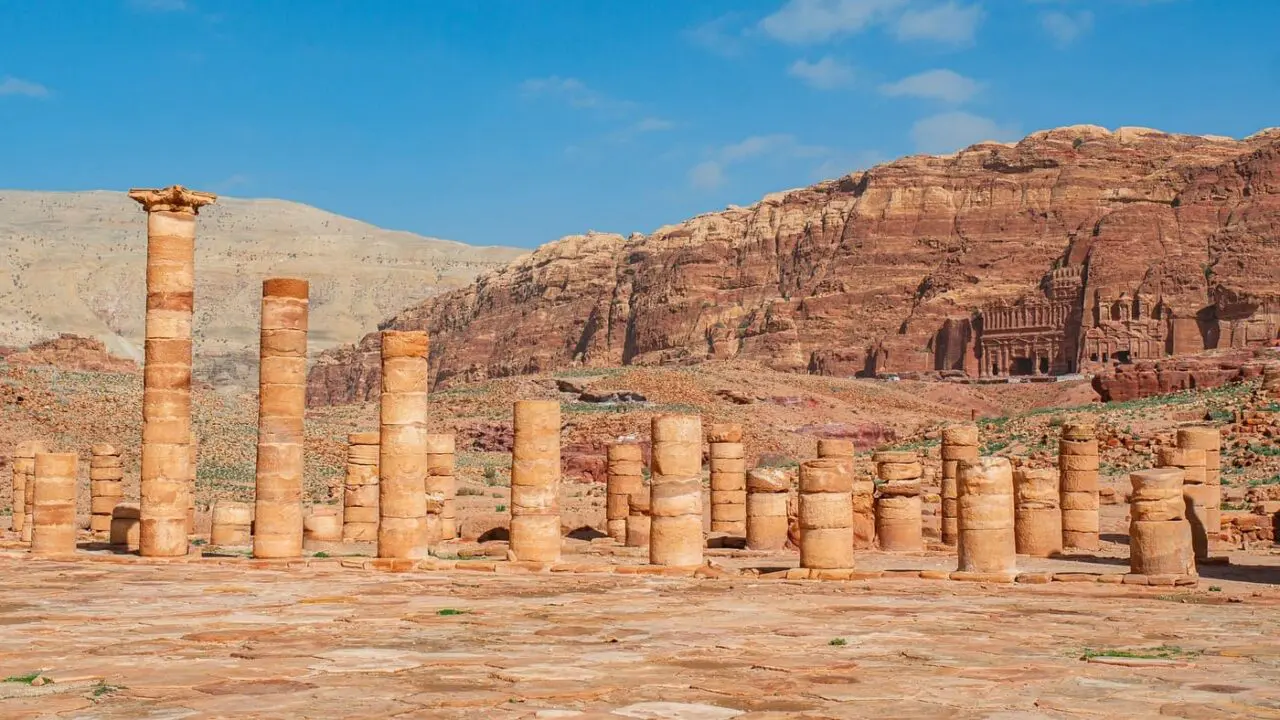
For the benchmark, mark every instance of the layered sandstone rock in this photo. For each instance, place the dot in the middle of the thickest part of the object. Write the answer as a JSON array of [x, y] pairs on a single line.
[[881, 269], [73, 352]]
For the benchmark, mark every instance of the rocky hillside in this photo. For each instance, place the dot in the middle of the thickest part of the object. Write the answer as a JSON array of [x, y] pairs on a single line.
[[75, 263], [860, 273]]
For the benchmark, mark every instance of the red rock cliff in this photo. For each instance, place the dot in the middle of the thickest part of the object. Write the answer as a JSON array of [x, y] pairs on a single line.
[[862, 273]]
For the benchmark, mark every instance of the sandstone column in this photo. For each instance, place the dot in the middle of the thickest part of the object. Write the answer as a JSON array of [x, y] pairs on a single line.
[[442, 486], [1206, 525], [728, 479], [1159, 536], [767, 520], [1078, 470], [639, 519], [1196, 493], [322, 524], [826, 514], [53, 529], [166, 393], [282, 403], [24, 471], [126, 526], [898, 504], [402, 446], [864, 491], [106, 487], [625, 478], [231, 523], [675, 501], [535, 481], [986, 542], [1037, 519], [959, 443], [360, 489]]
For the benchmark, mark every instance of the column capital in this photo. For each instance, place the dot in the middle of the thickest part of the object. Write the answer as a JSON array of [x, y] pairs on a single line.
[[172, 199]]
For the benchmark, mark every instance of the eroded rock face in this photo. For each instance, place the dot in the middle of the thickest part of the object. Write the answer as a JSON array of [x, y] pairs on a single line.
[[862, 274], [1146, 379], [72, 352]]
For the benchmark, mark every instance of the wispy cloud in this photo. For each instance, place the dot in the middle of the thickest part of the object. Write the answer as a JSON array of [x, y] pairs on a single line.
[[825, 74], [231, 183], [1065, 28], [573, 92], [25, 88], [712, 172], [940, 84], [722, 36], [952, 131], [643, 126], [160, 5], [950, 23], [814, 21]]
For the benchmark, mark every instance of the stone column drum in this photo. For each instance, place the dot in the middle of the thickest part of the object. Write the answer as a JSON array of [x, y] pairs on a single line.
[[768, 490], [126, 526], [675, 501], [166, 381], [1195, 492], [106, 487], [625, 478], [231, 523], [1159, 536], [959, 443], [826, 514], [53, 526], [282, 403], [535, 481], [24, 471], [322, 524], [986, 542], [728, 467], [898, 503], [442, 486], [360, 489], [639, 519], [864, 491], [402, 446], [1078, 472], [1208, 439], [1037, 519]]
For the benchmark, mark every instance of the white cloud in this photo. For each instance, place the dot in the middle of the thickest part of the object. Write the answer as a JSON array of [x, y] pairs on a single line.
[[26, 88], [711, 173], [572, 91], [825, 74], [1064, 28], [940, 84], [949, 22], [814, 21], [722, 36], [952, 131]]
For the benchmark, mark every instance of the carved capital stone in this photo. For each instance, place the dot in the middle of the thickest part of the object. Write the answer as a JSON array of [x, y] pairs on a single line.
[[172, 199]]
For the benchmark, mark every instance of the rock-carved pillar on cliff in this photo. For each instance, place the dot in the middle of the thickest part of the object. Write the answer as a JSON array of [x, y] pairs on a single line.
[[166, 389]]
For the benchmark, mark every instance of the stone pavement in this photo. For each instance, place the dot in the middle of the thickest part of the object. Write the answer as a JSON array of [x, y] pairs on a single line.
[[209, 641]]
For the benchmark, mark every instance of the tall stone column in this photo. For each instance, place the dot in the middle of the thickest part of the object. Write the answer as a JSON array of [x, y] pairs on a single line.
[[282, 403], [1159, 536], [959, 443], [898, 503], [1037, 518], [24, 487], [1191, 462], [1078, 471], [535, 481], [1209, 496], [360, 489], [768, 490], [728, 479], [625, 478], [986, 543], [442, 486], [826, 514], [53, 529], [675, 533], [402, 446], [106, 487], [863, 495], [166, 382]]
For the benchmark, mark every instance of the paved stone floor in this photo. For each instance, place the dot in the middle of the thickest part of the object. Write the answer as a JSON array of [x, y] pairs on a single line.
[[208, 641]]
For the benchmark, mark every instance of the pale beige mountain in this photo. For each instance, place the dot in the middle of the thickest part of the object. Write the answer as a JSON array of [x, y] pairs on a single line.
[[74, 262]]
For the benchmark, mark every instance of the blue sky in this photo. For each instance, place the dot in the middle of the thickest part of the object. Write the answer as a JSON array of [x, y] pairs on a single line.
[[515, 122]]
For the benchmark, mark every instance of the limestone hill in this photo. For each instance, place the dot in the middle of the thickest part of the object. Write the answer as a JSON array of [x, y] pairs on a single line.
[[75, 263]]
